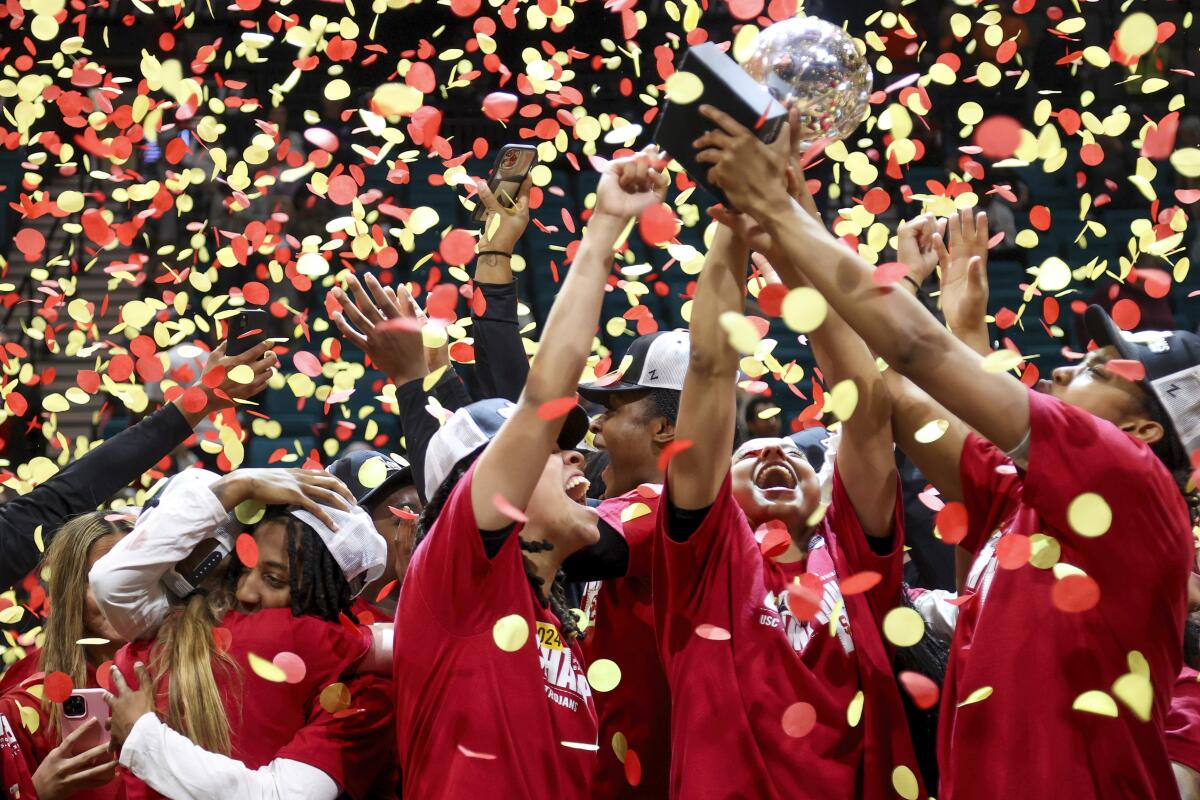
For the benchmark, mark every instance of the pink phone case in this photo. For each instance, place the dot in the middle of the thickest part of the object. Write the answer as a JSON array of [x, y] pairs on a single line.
[[75, 714]]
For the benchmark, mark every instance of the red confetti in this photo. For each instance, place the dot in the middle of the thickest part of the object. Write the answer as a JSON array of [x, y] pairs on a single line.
[[458, 248], [1126, 314], [104, 675], [222, 639], [804, 597], [658, 224], [1129, 370], [307, 363], [775, 540], [499, 105], [713, 633], [1075, 593], [247, 550], [30, 242], [194, 400], [58, 686], [799, 719], [860, 582], [633, 768], [343, 190], [1039, 217], [877, 201], [443, 301], [1013, 551], [951, 522], [671, 450], [508, 509], [922, 690], [473, 754], [554, 409], [403, 513], [745, 9], [770, 299], [889, 273], [998, 137], [291, 665], [388, 588], [256, 293]]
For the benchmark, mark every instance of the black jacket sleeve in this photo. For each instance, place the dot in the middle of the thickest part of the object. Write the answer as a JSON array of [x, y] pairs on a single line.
[[501, 365], [83, 485], [418, 425]]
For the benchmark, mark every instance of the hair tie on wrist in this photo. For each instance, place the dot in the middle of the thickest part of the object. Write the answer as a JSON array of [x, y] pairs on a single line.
[[915, 285], [494, 253]]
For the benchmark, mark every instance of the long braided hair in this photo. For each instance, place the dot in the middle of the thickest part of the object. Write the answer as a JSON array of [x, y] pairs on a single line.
[[554, 598]]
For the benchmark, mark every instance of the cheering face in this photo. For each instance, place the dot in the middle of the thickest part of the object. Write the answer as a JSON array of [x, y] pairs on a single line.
[[558, 509], [772, 480], [268, 584], [1090, 386]]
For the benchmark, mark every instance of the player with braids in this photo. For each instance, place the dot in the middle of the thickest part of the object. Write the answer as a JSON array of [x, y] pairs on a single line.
[[491, 694]]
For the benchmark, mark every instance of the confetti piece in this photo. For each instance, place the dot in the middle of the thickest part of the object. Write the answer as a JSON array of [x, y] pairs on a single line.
[[1075, 594], [804, 309], [633, 768], [1137, 33], [57, 686], [977, 696], [1095, 702], [904, 781], [1089, 515], [291, 665], [92, 641], [1013, 551], [889, 273], [952, 522], [684, 87], [1127, 369], [1001, 360], [713, 633], [500, 105], [860, 582], [387, 589], [843, 399], [670, 450], [903, 627], [501, 504], [265, 669], [372, 472], [222, 639], [475, 754], [556, 409], [307, 363], [931, 431], [775, 540], [1136, 692], [603, 675], [510, 633], [855, 709], [403, 513], [923, 691], [804, 597], [247, 550], [334, 698], [799, 719]]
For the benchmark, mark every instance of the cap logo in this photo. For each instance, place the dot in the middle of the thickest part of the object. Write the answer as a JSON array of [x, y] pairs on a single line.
[[653, 374]]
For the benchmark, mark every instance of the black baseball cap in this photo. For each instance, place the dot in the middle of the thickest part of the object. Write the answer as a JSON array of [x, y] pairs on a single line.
[[1172, 363], [654, 361], [347, 469]]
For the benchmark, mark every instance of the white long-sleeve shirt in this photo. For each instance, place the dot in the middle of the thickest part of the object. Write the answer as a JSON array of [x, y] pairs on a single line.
[[177, 768]]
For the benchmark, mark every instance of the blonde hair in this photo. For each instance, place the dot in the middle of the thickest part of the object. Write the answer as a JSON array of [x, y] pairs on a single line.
[[65, 567], [185, 654]]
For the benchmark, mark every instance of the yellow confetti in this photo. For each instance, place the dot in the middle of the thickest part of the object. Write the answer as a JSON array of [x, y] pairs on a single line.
[[977, 696], [804, 309], [684, 87], [742, 334], [265, 669], [1095, 702], [1089, 515], [931, 431], [903, 626], [1135, 692], [1001, 360], [1137, 34], [1054, 275], [335, 697], [633, 511], [620, 746], [854, 711], [843, 399], [603, 675], [372, 472], [904, 781], [510, 633]]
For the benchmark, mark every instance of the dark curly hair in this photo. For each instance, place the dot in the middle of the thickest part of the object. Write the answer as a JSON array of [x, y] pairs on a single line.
[[555, 598], [318, 586]]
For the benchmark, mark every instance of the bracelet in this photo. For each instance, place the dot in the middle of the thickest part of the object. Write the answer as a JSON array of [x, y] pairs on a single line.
[[914, 284], [500, 253]]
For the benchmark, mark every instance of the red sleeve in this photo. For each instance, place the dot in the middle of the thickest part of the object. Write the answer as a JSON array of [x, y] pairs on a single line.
[[329, 649], [1072, 452], [357, 749], [857, 554], [991, 489], [17, 764], [634, 514], [694, 581], [460, 585], [1183, 721]]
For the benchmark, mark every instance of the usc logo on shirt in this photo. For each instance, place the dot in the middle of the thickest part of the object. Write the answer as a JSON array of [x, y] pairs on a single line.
[[566, 682]]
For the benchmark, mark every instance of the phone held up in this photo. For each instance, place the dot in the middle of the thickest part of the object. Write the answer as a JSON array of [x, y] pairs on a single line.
[[512, 166], [82, 705], [247, 328]]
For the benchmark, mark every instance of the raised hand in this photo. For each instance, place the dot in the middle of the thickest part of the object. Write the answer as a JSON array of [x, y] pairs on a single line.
[[260, 359], [507, 217], [63, 772], [745, 168], [919, 245], [964, 271], [312, 490], [387, 327], [628, 185]]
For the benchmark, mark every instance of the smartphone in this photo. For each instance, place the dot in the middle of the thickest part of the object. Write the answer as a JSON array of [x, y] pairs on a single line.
[[512, 166], [82, 705], [247, 328]]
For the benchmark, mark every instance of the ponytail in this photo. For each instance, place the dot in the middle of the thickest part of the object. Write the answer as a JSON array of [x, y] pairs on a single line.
[[186, 656]]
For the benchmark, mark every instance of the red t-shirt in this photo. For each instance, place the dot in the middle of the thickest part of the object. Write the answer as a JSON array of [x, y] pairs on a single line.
[[474, 720], [1038, 659], [1183, 720], [264, 716], [16, 777], [733, 684], [621, 629]]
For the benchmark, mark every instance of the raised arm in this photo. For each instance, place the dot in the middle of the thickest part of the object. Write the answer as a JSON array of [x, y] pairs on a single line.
[[964, 279], [95, 477], [500, 361], [513, 462], [708, 402], [892, 322]]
